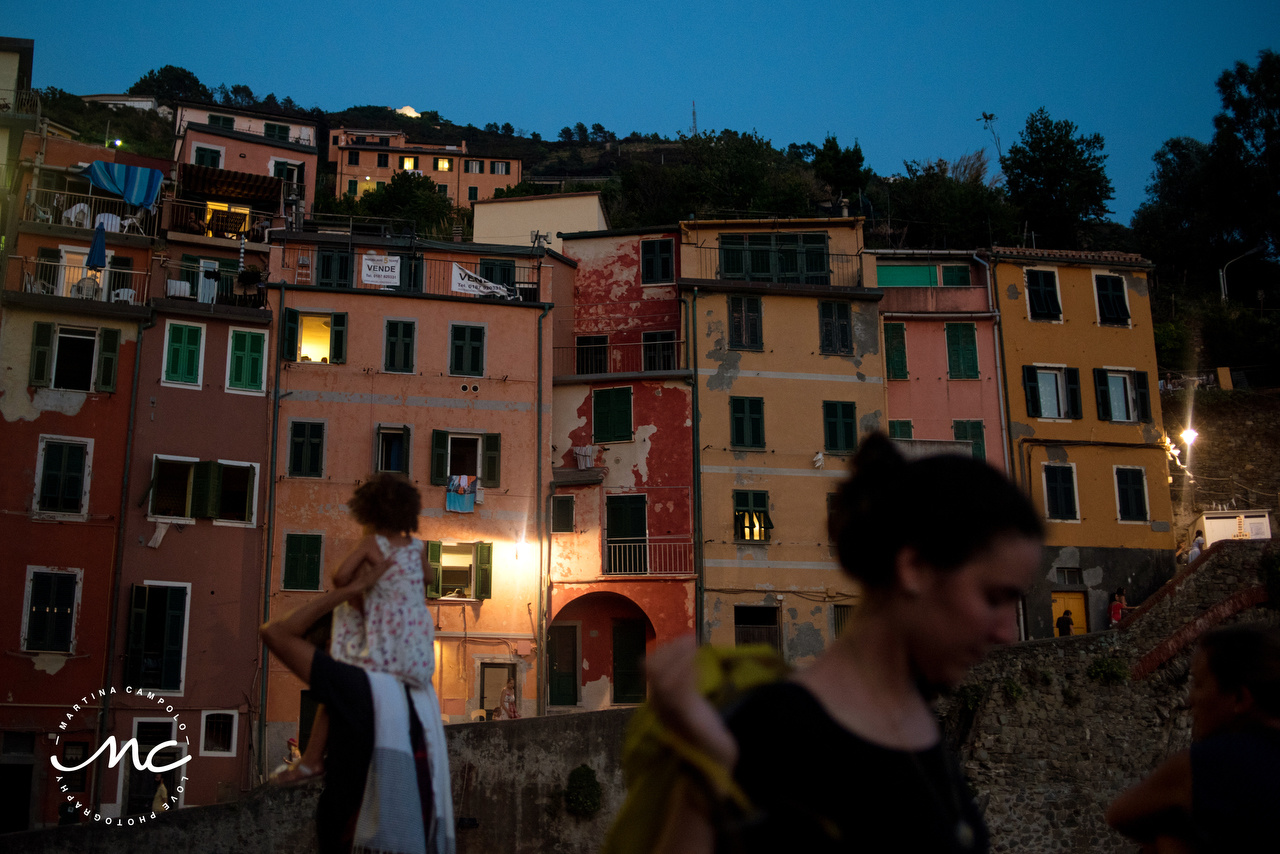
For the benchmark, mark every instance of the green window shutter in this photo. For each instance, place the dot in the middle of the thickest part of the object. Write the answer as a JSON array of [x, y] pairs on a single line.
[[433, 569], [971, 431], [254, 353], [173, 355], [338, 338], [175, 613], [484, 571], [41, 369], [302, 561], [191, 356], [962, 351], [955, 276], [1142, 393], [399, 346], [1072, 376], [611, 415], [137, 635], [907, 276], [1031, 388], [182, 364], [895, 345], [206, 489], [1060, 500], [239, 360], [491, 464], [108, 359], [1131, 495], [900, 429], [439, 457], [1102, 394], [289, 336], [839, 425]]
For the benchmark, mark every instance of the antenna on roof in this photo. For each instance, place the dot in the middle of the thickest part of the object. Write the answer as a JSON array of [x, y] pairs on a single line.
[[695, 118]]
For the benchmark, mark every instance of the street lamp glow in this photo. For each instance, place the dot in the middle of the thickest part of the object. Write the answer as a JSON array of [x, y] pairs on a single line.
[[1188, 436]]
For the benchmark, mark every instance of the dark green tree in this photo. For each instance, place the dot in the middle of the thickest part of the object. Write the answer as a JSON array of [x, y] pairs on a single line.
[[841, 169], [939, 205], [1057, 180], [566, 134], [1246, 143], [171, 83], [581, 133], [491, 127], [411, 197], [508, 129]]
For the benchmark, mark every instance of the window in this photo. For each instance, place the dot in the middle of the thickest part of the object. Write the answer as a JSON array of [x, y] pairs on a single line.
[[499, 167], [1131, 494], [353, 157], [62, 485], [72, 358], [218, 733], [384, 160], [360, 140], [352, 187], [306, 449], [592, 354], [473, 167], [751, 522], [410, 273], [840, 426], [384, 140], [628, 661], [444, 164], [398, 357], [562, 519], [900, 429], [1070, 576], [75, 753], [156, 648], [287, 171], [335, 139], [409, 163], [626, 526], [835, 328], [611, 415], [391, 448], [798, 257], [466, 350], [302, 561], [499, 271], [1122, 395], [1051, 392], [658, 351], [841, 615], [756, 624], [210, 157], [334, 269], [1060, 491], [185, 488], [442, 190], [745, 327], [224, 122], [895, 346], [461, 571], [280, 133], [51, 610], [962, 351], [1113, 301], [473, 194], [475, 455], [1042, 295], [955, 276], [657, 261], [184, 353], [314, 337], [907, 276], [245, 362], [971, 431], [746, 422]]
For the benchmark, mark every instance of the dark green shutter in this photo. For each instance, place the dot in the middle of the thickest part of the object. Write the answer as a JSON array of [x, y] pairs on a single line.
[[484, 570], [41, 370], [895, 345], [289, 338], [1142, 392], [174, 624], [954, 276], [737, 421], [64, 603], [137, 636], [962, 351], [1031, 388], [1102, 394], [1074, 409], [206, 489], [900, 429], [302, 561], [971, 431], [253, 360], [491, 463], [108, 359], [338, 339], [439, 457], [433, 568]]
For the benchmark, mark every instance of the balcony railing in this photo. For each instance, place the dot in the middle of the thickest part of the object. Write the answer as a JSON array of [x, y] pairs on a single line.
[[300, 136], [798, 267], [649, 557], [202, 219], [78, 210], [663, 353], [434, 276], [211, 285], [76, 281], [19, 102]]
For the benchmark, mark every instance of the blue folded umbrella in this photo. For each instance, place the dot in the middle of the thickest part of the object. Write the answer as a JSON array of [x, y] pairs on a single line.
[[98, 249]]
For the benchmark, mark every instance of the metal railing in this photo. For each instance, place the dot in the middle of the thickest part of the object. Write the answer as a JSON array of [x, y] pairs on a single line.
[[418, 275], [79, 210], [304, 136], [609, 358], [76, 281], [20, 102], [805, 266], [649, 557], [199, 218], [211, 285]]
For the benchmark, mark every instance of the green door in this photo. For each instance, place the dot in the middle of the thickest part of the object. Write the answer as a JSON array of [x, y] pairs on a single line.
[[562, 665], [628, 661], [626, 534]]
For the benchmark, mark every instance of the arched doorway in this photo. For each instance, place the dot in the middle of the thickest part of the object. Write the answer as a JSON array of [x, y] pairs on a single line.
[[595, 653]]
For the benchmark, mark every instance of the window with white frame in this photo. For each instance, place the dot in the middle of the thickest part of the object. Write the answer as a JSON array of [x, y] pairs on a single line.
[[1131, 494], [315, 337], [1051, 391], [246, 361], [460, 570], [391, 448], [184, 354], [73, 358], [208, 155], [63, 469], [189, 488], [500, 167], [1122, 395], [218, 733], [471, 455], [1042, 295], [474, 167], [156, 648], [49, 605], [1060, 492], [1113, 300]]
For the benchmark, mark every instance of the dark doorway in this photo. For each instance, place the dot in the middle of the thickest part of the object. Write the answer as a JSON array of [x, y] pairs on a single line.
[[628, 661], [562, 664]]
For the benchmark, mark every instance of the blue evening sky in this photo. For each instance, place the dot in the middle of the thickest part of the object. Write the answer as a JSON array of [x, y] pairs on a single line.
[[908, 80]]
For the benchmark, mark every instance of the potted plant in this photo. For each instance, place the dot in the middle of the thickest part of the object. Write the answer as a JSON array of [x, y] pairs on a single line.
[[250, 276]]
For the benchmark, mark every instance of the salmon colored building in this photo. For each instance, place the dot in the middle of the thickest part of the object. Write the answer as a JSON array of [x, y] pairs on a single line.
[[788, 374], [367, 159], [943, 374], [431, 359], [1086, 439], [622, 508]]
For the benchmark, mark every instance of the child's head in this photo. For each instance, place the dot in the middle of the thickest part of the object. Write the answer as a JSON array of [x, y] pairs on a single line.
[[388, 502]]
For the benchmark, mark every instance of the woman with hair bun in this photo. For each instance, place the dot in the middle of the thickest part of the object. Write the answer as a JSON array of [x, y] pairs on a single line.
[[846, 754]]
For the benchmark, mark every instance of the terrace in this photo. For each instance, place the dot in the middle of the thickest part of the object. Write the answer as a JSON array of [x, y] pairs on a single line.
[[73, 280], [769, 258], [86, 211], [222, 220]]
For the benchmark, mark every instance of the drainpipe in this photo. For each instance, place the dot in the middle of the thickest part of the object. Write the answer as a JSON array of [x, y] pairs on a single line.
[[114, 624], [1000, 381], [699, 582], [543, 587], [1004, 415], [263, 655]]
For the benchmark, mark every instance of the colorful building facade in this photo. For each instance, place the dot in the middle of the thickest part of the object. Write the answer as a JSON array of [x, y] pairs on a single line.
[[367, 159]]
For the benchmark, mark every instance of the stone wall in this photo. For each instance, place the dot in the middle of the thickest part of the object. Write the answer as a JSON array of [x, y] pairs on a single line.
[[1047, 746]]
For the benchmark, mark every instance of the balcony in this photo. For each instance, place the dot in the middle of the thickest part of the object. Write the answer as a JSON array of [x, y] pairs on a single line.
[[75, 281], [649, 557], [934, 300], [303, 135], [795, 267], [19, 103], [79, 210], [418, 275], [594, 356], [211, 284], [222, 221]]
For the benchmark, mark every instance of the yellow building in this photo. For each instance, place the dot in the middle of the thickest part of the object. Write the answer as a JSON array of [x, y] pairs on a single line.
[[1085, 432], [788, 374]]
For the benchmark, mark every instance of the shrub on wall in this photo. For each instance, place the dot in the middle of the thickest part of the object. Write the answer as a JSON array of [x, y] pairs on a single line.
[[1109, 670], [582, 796]]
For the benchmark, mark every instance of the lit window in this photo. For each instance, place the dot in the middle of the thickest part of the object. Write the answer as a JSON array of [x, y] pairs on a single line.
[[444, 164], [462, 570], [751, 522]]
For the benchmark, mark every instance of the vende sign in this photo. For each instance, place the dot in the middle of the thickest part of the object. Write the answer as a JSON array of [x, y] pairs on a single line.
[[380, 271]]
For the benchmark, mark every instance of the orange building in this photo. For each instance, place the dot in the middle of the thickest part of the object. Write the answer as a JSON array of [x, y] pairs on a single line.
[[368, 158]]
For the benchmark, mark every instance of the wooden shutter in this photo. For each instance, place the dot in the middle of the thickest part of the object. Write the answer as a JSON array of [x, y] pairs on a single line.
[[1102, 394], [1142, 393], [484, 571], [737, 421], [439, 457], [137, 635], [491, 460], [289, 336], [433, 568], [206, 489], [1031, 388], [895, 343], [1074, 409], [108, 359], [41, 369], [175, 614], [338, 339]]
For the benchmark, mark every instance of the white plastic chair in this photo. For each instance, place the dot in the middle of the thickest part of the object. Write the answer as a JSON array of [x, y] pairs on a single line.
[[109, 221]]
